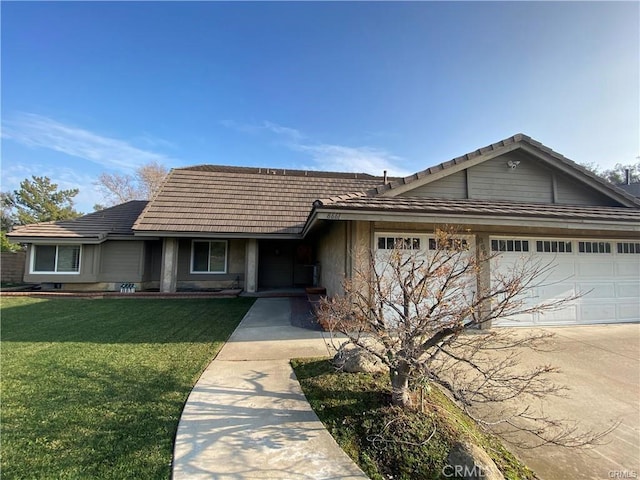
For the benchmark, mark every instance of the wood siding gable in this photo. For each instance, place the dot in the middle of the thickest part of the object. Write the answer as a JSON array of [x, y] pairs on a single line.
[[533, 180]]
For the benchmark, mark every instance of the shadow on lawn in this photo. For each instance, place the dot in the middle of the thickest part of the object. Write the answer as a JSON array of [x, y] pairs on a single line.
[[121, 320]]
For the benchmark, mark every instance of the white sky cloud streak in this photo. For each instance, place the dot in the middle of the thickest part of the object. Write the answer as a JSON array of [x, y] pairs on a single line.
[[328, 156], [39, 131]]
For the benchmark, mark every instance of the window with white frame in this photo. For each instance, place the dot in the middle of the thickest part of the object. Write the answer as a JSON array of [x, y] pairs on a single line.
[[55, 259], [594, 247], [398, 243], [510, 245], [209, 256], [553, 246], [628, 247], [449, 244]]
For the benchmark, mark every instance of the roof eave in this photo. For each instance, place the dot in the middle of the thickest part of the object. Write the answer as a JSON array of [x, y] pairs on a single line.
[[228, 235], [345, 213], [48, 240]]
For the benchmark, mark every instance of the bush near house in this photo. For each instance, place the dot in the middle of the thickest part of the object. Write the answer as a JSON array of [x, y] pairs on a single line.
[[95, 388]]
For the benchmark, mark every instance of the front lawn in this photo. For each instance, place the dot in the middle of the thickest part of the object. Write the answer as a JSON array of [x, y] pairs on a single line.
[[95, 388]]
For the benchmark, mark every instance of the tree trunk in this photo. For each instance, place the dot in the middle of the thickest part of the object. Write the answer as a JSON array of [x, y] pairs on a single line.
[[400, 385]]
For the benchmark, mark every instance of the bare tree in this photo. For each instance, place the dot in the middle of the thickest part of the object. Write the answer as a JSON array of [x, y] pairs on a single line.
[[420, 314], [142, 185], [150, 177]]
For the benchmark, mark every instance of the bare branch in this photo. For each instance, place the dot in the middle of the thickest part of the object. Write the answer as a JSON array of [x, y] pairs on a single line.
[[418, 312]]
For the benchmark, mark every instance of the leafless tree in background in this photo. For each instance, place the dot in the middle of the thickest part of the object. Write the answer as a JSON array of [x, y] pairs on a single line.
[[142, 185]]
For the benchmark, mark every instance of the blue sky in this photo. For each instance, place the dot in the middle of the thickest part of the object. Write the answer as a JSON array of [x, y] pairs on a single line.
[[365, 86]]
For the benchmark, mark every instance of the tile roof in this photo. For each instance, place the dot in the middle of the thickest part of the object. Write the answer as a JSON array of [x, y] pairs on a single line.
[[252, 201], [480, 207], [244, 201], [114, 221]]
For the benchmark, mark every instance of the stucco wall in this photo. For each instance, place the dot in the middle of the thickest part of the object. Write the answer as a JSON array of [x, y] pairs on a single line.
[[331, 252]]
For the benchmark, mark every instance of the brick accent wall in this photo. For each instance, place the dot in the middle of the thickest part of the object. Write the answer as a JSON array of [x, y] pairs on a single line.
[[12, 266]]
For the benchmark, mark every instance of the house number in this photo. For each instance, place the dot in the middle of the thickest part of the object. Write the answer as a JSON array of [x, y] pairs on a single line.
[[333, 216]]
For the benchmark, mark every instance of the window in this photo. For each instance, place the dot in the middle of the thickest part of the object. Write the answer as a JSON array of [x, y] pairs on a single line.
[[510, 245], [452, 243], [628, 247], [553, 246], [209, 256], [594, 247], [56, 259], [398, 243]]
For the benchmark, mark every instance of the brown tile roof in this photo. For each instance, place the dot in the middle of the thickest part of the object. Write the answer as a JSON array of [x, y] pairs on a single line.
[[244, 201], [480, 207], [114, 221]]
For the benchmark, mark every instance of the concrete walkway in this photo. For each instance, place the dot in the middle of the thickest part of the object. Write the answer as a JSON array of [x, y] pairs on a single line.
[[247, 417]]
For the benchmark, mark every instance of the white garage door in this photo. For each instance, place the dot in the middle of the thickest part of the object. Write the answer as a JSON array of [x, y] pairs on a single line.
[[605, 272]]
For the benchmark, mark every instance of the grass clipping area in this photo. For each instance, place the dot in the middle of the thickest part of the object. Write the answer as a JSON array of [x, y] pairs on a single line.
[[388, 442], [95, 388]]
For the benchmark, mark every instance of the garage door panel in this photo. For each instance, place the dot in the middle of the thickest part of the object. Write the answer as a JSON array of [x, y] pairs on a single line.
[[564, 316], [597, 312], [592, 267], [628, 268], [628, 290], [555, 291], [593, 291], [563, 268], [628, 312]]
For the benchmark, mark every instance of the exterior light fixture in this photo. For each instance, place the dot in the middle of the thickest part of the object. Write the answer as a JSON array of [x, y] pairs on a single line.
[[513, 164]]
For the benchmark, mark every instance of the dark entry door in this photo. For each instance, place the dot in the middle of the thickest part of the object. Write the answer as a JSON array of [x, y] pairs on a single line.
[[275, 263]]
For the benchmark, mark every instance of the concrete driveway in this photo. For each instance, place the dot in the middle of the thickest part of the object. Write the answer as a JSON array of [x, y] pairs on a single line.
[[601, 366]]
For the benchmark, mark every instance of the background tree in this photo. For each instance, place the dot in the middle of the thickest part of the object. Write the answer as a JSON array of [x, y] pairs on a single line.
[[6, 223], [38, 200], [419, 313], [142, 185], [618, 174]]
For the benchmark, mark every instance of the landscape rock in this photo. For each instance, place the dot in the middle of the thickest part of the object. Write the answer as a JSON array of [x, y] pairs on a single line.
[[353, 359], [471, 462]]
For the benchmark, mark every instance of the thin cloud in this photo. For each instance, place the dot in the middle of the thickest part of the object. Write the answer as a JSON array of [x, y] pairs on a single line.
[[328, 156], [39, 131], [353, 159], [291, 133], [268, 127]]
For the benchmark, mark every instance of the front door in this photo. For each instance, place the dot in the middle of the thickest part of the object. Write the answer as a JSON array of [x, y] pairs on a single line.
[[284, 264], [275, 264]]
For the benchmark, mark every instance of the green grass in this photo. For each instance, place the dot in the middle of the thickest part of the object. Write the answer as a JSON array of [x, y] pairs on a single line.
[[95, 388], [385, 441]]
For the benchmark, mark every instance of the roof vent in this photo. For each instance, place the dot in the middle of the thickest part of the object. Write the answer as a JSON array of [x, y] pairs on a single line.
[[384, 175]]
